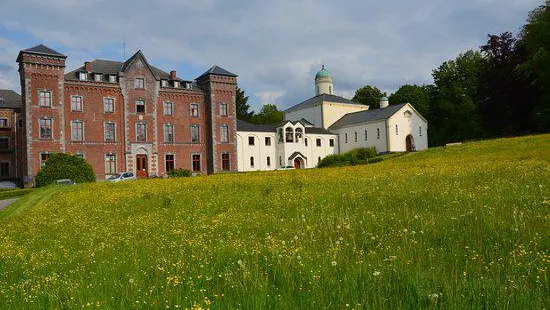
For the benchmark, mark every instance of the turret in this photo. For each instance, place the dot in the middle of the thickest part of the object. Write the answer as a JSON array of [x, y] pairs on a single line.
[[384, 102], [323, 82]]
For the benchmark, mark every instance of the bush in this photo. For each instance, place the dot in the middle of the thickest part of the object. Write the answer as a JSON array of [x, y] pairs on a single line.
[[179, 173], [64, 166], [359, 156]]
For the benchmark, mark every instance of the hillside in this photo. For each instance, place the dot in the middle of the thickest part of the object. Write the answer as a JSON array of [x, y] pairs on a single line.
[[451, 228]]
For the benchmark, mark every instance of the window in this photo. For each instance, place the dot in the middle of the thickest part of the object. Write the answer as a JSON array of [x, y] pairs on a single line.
[[330, 90], [4, 169], [139, 83], [3, 123], [45, 128], [77, 130], [195, 134], [163, 83], [268, 161], [377, 133], [109, 105], [20, 123], [112, 78], [44, 98], [407, 114], [168, 108], [110, 163], [176, 84], [196, 159], [420, 131], [305, 141], [169, 162], [251, 162], [289, 134], [168, 133], [4, 143], [43, 158], [355, 139], [223, 109], [366, 135], [346, 137], [225, 161], [82, 76], [396, 130], [141, 132], [224, 133], [318, 159], [109, 132], [250, 140], [318, 142], [97, 77], [140, 106], [331, 142], [267, 141], [299, 134], [194, 110], [76, 103], [280, 161]]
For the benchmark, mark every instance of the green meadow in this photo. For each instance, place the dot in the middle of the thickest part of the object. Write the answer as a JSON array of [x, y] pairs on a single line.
[[461, 227]]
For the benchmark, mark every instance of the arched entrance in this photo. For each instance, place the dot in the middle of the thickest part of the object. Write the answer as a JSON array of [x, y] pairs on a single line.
[[141, 166], [409, 142], [297, 163]]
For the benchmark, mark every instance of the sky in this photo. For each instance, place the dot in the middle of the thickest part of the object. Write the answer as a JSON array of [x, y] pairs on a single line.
[[275, 47]]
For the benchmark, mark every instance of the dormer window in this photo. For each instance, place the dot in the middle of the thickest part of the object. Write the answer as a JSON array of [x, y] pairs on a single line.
[[97, 77], [188, 85], [83, 76], [163, 83], [112, 78], [176, 84]]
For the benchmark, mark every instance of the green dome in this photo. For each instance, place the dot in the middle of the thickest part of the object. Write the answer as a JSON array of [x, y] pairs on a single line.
[[322, 73], [384, 99]]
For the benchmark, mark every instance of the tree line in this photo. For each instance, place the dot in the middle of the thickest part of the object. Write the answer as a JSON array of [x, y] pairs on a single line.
[[501, 89]]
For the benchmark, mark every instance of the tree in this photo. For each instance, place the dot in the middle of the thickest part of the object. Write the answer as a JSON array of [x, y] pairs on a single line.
[[418, 96], [64, 166], [368, 95], [269, 115], [242, 106]]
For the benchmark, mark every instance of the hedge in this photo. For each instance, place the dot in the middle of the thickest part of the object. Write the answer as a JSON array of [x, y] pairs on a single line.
[[64, 166]]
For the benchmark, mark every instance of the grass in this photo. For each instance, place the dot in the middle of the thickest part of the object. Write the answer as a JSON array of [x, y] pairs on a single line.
[[14, 193], [462, 227]]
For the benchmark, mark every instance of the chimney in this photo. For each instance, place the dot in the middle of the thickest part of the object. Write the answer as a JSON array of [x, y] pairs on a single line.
[[88, 66], [173, 75]]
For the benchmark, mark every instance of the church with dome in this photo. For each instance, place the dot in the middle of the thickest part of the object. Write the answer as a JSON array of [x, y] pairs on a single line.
[[327, 124]]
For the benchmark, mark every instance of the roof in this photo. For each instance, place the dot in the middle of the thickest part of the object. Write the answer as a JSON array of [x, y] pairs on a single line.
[[322, 73], [41, 49], [318, 131], [296, 154], [245, 126], [319, 99], [9, 99], [217, 71], [367, 116], [305, 122]]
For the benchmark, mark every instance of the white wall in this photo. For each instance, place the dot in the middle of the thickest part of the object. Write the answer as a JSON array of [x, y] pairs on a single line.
[[379, 143], [259, 151], [334, 111], [407, 125]]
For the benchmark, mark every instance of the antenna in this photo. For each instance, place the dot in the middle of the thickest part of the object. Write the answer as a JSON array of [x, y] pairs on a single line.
[[124, 47]]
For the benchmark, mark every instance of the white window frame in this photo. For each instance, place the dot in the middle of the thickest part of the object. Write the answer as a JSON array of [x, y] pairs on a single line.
[[105, 99], [139, 80], [74, 97], [165, 106], [200, 162], [83, 76], [114, 165], [47, 101], [40, 128], [191, 113], [198, 130], [224, 133], [73, 123], [224, 111], [138, 124], [164, 131], [105, 131]]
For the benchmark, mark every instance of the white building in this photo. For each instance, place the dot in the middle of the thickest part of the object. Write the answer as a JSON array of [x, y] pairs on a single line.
[[328, 124]]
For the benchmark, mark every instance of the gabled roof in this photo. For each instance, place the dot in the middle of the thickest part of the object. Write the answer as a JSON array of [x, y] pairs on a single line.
[[137, 55], [244, 126], [9, 99], [305, 122], [41, 49], [320, 99], [217, 71], [318, 131], [367, 116], [296, 154]]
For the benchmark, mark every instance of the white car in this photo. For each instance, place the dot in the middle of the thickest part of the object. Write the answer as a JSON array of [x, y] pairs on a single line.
[[123, 176], [286, 168]]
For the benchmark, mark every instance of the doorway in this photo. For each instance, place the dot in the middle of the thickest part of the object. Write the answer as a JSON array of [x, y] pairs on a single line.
[[297, 163], [409, 143], [141, 166]]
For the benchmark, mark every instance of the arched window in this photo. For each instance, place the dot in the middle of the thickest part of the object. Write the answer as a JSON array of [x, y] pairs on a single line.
[[330, 90], [268, 161], [251, 162], [299, 134], [289, 134]]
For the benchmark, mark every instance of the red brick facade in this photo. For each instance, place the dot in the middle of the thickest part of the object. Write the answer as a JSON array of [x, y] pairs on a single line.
[[10, 142], [154, 115]]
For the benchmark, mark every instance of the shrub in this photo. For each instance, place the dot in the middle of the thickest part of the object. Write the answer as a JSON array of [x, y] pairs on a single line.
[[179, 173], [64, 166], [354, 157]]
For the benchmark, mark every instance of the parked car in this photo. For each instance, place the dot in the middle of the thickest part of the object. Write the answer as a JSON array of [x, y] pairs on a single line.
[[123, 176], [64, 182], [286, 168]]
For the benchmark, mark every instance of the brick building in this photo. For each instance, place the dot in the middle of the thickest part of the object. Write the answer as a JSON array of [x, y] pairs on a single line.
[[10, 135], [125, 116]]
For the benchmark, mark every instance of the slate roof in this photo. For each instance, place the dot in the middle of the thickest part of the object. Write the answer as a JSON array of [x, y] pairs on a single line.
[[319, 99], [41, 49], [217, 71], [245, 126], [367, 116], [9, 99], [318, 131], [296, 154]]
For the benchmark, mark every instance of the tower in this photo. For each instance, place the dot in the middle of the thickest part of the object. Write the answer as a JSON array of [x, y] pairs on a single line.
[[323, 82]]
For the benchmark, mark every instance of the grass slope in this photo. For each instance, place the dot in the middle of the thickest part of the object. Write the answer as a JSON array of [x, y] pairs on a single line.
[[462, 227]]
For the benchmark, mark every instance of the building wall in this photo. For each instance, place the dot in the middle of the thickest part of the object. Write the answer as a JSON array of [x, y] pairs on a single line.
[[259, 151], [415, 125], [11, 153], [333, 111], [372, 139], [313, 114]]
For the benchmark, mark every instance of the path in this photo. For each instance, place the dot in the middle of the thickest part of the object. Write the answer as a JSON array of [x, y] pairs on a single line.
[[6, 202]]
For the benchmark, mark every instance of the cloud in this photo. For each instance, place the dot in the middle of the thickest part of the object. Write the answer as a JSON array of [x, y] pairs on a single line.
[[275, 47]]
